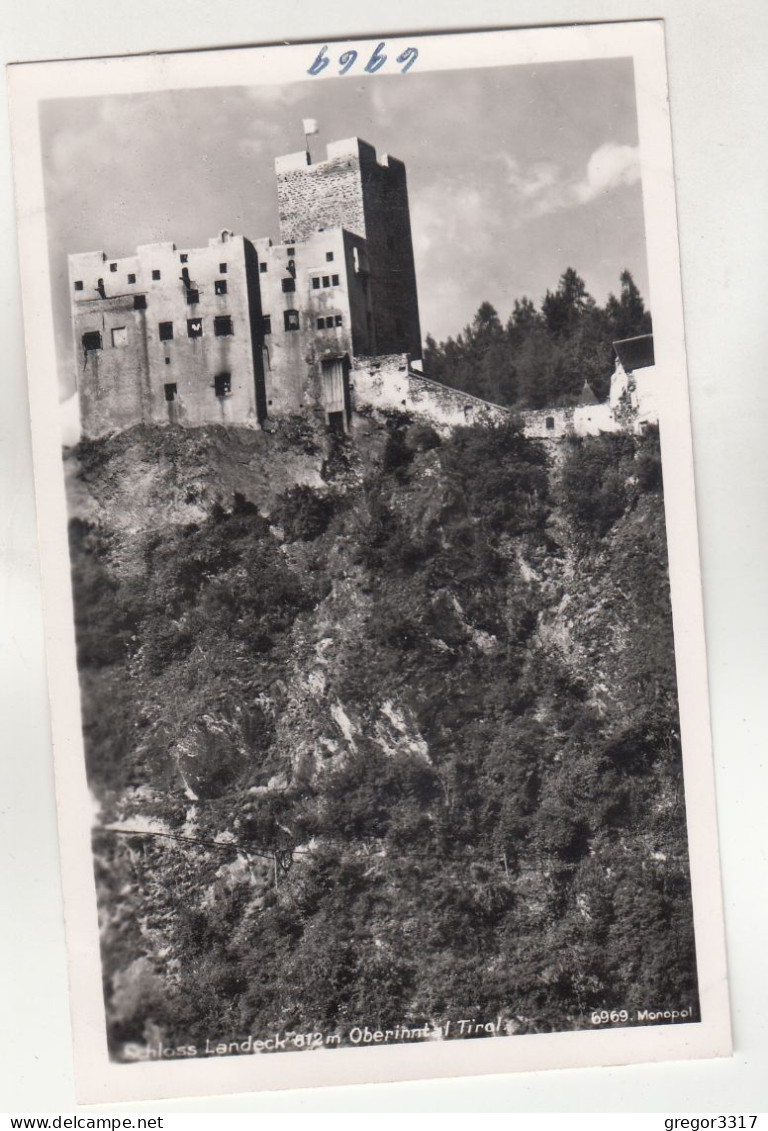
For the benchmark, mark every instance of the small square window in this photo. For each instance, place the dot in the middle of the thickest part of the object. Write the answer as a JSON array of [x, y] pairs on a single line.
[[222, 268], [222, 325], [263, 268], [120, 336], [92, 340], [170, 391], [139, 302], [550, 423], [220, 286], [329, 323], [155, 274], [113, 267], [192, 297], [329, 256], [195, 327], [321, 323], [131, 278], [290, 251], [289, 285], [326, 280], [335, 280], [165, 331], [338, 320], [266, 325], [167, 361], [316, 283], [222, 383], [291, 319], [183, 258], [78, 284]]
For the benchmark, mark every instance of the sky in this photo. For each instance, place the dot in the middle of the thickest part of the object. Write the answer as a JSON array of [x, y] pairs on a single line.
[[514, 174]]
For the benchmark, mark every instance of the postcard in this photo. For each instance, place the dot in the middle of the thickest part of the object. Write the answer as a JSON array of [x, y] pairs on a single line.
[[370, 568]]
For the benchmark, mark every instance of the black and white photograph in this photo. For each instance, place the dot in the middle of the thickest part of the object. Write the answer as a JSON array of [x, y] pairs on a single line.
[[377, 663]]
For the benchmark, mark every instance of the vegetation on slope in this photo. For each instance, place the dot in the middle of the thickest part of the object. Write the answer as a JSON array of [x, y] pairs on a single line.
[[415, 730]]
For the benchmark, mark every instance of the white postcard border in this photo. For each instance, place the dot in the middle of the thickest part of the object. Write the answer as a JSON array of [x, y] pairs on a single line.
[[99, 1080]]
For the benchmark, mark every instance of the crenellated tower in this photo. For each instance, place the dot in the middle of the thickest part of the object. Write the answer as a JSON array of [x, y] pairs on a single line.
[[367, 196]]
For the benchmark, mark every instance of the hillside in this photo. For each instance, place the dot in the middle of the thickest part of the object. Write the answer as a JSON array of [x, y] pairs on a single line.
[[383, 730]]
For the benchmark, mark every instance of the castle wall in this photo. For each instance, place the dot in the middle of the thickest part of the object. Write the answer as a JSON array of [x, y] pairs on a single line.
[[317, 308], [113, 381], [649, 387], [390, 250], [635, 396], [549, 423], [593, 419], [385, 383], [176, 335], [579, 420]]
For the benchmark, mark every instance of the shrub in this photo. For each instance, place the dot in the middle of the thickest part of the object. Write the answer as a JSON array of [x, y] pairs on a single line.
[[648, 462], [422, 437], [593, 482], [503, 475], [303, 514]]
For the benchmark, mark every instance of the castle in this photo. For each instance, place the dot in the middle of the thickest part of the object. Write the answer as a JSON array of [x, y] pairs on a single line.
[[324, 322]]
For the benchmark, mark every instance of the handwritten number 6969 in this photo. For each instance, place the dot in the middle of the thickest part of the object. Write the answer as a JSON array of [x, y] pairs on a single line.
[[347, 60]]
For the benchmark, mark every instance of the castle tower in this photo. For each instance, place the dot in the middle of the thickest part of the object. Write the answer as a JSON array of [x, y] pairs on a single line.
[[367, 197]]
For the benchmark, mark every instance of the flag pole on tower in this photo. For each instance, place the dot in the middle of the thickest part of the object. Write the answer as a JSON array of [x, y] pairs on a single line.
[[310, 127]]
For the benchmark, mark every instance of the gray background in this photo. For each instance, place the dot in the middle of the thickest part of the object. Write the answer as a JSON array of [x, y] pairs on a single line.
[[719, 99]]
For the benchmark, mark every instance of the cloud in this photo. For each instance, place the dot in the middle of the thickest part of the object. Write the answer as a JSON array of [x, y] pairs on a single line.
[[103, 139], [444, 212], [539, 187], [453, 243], [389, 101], [251, 146], [608, 168], [270, 94], [543, 188]]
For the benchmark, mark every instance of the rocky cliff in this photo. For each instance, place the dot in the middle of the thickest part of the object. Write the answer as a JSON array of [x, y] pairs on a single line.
[[382, 729]]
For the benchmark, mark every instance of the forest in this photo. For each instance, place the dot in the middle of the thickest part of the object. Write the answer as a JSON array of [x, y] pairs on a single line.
[[384, 734], [542, 357]]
